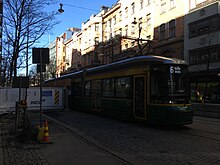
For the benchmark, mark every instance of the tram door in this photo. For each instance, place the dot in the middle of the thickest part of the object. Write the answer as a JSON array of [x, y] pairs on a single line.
[[140, 96], [96, 95]]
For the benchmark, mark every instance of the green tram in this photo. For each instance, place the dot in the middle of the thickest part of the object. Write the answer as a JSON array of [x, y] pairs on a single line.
[[151, 89]]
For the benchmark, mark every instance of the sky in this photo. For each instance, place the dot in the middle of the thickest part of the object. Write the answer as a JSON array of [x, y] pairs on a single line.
[[75, 13]]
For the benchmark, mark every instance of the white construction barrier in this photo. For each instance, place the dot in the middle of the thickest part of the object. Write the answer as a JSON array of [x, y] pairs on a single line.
[[52, 98]]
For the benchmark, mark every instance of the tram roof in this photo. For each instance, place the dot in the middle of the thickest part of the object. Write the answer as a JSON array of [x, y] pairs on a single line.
[[134, 61], [137, 61]]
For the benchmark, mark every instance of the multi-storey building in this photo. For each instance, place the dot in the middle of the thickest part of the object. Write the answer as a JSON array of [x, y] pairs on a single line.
[[202, 50], [60, 54], [111, 34], [69, 46], [128, 25], [76, 62], [91, 37], [136, 22], [64, 51], [169, 28], [51, 68]]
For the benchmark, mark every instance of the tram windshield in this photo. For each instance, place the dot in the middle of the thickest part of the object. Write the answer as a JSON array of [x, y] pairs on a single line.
[[169, 84]]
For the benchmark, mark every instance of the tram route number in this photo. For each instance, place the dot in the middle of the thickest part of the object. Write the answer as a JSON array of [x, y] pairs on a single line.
[[175, 70]]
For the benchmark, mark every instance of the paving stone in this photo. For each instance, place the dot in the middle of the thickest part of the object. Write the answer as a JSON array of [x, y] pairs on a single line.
[[15, 151]]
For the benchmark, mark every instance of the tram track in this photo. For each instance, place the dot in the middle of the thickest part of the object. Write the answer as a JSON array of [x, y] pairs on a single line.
[[205, 121], [201, 134], [200, 130]]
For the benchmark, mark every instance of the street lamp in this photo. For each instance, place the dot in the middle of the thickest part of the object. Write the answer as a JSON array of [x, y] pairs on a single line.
[[61, 8]]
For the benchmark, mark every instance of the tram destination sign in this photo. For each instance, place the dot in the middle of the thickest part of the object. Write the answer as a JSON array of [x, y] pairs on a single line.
[[175, 70]]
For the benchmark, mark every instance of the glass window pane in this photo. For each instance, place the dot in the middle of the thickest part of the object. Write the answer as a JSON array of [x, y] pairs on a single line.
[[108, 87], [87, 88], [123, 87], [76, 89]]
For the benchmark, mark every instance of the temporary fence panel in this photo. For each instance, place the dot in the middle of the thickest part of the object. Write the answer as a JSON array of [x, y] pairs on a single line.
[[8, 97], [52, 98]]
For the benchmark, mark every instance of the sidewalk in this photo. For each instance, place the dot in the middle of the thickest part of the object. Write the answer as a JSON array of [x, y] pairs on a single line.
[[67, 148]]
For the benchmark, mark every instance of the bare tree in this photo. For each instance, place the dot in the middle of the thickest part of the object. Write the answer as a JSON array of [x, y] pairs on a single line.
[[51, 69], [33, 76], [25, 22]]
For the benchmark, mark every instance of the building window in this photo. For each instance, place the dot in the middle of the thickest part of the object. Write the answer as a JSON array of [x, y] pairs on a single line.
[[126, 30], [148, 20], [204, 26], [96, 27], [148, 2], [120, 31], [163, 7], [114, 20], [162, 32], [132, 8], [120, 16], [110, 23], [126, 12], [140, 23], [96, 40], [201, 56], [201, 89], [141, 4], [172, 28], [172, 4]]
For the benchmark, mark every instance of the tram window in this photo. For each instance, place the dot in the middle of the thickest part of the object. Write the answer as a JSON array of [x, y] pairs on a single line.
[[122, 87], [76, 89], [158, 85], [87, 87], [169, 84], [108, 87]]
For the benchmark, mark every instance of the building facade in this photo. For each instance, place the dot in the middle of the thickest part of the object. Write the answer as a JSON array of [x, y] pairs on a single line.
[[51, 68], [202, 51]]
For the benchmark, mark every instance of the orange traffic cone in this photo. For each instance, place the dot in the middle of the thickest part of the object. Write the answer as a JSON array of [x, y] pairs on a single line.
[[46, 139]]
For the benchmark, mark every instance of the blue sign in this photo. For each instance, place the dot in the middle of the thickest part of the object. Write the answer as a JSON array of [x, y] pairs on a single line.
[[46, 93]]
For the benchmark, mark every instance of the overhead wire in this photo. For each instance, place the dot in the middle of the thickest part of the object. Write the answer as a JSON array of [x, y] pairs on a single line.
[[79, 7]]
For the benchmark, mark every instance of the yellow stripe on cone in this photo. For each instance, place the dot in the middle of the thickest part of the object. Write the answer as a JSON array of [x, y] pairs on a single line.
[[46, 139]]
